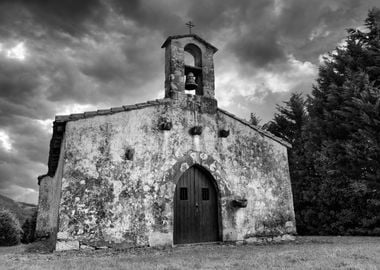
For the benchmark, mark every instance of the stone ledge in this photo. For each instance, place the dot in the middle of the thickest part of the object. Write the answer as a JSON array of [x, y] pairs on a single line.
[[269, 239]]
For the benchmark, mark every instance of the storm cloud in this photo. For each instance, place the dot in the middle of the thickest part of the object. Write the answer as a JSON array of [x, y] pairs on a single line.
[[65, 56]]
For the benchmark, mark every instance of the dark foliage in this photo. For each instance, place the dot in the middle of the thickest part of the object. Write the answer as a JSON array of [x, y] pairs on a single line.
[[10, 230], [335, 159], [254, 120], [288, 123], [29, 228]]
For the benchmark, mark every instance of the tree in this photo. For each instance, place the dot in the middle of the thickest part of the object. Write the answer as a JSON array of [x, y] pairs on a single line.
[[288, 124], [289, 119], [254, 120], [335, 160], [10, 230], [342, 136], [29, 228]]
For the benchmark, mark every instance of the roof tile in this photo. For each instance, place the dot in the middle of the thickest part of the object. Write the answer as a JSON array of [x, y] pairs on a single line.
[[103, 112], [62, 118], [90, 114], [76, 116], [117, 109]]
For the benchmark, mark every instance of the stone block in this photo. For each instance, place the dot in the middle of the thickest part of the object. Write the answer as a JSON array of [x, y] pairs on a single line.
[[289, 227], [86, 247], [288, 237], [160, 239], [277, 239], [67, 245], [252, 240]]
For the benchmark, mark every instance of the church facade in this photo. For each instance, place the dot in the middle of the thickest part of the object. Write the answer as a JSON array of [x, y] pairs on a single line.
[[170, 171]]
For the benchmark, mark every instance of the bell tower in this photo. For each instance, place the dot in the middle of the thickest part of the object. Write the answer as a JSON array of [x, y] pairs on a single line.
[[189, 65]]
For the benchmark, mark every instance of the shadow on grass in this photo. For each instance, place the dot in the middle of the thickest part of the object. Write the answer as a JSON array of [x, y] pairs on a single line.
[[43, 247]]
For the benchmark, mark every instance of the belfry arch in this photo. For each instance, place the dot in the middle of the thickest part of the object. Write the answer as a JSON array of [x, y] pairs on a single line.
[[196, 68]]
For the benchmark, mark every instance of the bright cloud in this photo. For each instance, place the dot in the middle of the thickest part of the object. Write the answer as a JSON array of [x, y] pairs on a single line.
[[5, 141], [281, 78], [17, 52]]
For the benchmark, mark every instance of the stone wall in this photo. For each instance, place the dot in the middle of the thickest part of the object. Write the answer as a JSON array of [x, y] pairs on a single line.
[[49, 201], [120, 172]]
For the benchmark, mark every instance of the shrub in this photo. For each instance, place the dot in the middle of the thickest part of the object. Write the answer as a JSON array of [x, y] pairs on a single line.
[[10, 230], [29, 228]]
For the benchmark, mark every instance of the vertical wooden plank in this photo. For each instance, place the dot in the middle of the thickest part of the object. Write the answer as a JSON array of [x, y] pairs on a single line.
[[209, 221], [197, 227], [188, 222], [194, 224]]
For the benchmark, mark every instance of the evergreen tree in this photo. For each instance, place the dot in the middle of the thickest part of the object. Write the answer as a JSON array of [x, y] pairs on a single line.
[[289, 119], [254, 120], [335, 159], [342, 136], [288, 123]]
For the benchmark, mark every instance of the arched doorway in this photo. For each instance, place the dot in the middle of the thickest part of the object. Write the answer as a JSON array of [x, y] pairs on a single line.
[[195, 208]]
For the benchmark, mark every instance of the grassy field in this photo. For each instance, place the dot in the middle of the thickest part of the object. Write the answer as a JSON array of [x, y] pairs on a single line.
[[304, 253]]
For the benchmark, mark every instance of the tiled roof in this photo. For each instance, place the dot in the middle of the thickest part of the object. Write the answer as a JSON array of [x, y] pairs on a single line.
[[77, 116]]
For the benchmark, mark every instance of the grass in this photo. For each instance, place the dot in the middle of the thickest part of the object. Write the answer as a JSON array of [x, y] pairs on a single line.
[[304, 253]]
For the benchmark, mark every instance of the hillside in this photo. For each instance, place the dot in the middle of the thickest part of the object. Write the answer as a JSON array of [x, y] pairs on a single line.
[[20, 209]]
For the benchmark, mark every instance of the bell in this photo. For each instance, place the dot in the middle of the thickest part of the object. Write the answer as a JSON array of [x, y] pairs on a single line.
[[190, 82]]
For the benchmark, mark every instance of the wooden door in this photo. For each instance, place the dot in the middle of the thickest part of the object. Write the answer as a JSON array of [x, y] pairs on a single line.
[[195, 208]]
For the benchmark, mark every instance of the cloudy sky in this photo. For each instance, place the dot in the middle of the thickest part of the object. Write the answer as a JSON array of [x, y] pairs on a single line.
[[67, 56]]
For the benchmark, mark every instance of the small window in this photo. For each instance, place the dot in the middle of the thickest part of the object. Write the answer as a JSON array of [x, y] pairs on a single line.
[[205, 194], [183, 194]]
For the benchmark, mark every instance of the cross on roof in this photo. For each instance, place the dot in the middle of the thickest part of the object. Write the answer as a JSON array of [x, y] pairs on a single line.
[[190, 25]]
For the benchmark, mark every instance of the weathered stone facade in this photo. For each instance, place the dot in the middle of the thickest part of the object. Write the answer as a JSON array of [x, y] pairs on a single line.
[[117, 171]]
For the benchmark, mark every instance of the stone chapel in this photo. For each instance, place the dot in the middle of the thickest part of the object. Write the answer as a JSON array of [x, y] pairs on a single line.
[[170, 171]]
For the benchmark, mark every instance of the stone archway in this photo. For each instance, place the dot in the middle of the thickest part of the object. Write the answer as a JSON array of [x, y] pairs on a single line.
[[209, 165], [196, 207]]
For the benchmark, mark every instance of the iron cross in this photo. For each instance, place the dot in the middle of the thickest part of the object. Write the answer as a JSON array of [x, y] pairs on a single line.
[[190, 25]]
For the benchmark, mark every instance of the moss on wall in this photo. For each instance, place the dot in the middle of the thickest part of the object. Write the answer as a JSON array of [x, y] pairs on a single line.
[[108, 199]]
